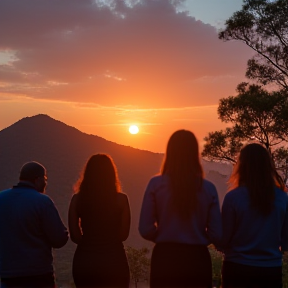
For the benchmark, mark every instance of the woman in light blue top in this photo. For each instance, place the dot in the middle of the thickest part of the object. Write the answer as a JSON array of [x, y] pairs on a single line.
[[181, 214], [255, 222]]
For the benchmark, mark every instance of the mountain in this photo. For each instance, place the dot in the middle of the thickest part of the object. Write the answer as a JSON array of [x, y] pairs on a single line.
[[64, 150]]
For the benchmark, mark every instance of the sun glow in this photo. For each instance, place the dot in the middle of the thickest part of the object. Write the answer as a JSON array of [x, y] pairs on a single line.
[[133, 129]]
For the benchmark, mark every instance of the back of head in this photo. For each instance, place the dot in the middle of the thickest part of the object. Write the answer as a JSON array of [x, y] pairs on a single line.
[[31, 171], [182, 165], [99, 182], [255, 170]]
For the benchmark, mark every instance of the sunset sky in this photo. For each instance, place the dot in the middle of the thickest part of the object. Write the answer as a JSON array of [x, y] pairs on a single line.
[[104, 65]]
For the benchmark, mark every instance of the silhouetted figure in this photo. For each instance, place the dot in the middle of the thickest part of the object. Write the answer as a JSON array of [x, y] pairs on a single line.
[[255, 222], [180, 213], [30, 227], [99, 220]]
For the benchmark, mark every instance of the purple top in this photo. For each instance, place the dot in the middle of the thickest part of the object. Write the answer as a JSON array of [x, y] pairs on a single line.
[[160, 223]]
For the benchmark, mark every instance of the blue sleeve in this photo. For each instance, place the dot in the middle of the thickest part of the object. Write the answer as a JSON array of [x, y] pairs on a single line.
[[52, 225], [147, 223], [214, 227], [228, 221], [284, 234]]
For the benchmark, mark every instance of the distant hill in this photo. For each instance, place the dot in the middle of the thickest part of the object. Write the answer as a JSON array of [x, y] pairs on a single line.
[[64, 150]]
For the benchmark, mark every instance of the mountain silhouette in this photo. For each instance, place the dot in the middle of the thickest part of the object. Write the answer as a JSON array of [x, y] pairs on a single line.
[[64, 150]]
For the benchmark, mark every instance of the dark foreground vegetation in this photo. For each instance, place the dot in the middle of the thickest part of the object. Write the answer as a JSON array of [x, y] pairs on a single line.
[[139, 262]]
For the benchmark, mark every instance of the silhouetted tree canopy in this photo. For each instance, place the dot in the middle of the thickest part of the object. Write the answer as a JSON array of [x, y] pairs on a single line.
[[263, 26], [255, 114], [222, 146]]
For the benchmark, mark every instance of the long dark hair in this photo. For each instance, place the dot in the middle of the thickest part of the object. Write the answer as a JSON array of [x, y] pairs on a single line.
[[183, 167], [99, 182], [255, 170]]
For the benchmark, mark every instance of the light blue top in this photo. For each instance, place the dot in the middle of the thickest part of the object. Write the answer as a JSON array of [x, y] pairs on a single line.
[[160, 223], [29, 227], [250, 238]]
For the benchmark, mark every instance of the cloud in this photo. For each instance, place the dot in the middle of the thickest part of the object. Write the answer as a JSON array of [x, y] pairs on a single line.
[[145, 53]]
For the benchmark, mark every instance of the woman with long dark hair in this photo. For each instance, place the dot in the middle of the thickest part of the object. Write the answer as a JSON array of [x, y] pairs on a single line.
[[180, 213], [255, 222], [99, 220]]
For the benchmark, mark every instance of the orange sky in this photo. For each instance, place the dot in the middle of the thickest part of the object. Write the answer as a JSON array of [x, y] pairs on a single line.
[[101, 68]]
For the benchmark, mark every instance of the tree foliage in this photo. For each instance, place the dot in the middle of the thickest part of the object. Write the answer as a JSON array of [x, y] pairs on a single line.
[[263, 26], [222, 145], [281, 162], [254, 114], [139, 264]]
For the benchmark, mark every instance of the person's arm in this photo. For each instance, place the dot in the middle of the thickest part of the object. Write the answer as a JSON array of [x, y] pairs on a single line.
[[284, 234], [228, 221], [73, 221], [52, 225], [214, 227], [125, 217], [147, 223]]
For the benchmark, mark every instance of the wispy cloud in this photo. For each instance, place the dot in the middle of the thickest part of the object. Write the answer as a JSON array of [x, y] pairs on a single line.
[[121, 124], [114, 52]]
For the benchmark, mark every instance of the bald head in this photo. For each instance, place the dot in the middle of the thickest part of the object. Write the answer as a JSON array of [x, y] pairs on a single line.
[[32, 170], [35, 173]]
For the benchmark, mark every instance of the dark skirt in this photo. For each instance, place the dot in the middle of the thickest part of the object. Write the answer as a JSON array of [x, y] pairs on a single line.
[[180, 265], [244, 276], [101, 266], [37, 281]]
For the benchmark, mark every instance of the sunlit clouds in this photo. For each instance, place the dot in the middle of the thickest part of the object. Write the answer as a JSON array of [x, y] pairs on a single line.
[[144, 54]]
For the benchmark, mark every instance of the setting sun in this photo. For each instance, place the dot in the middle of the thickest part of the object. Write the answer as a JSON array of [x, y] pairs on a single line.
[[133, 129]]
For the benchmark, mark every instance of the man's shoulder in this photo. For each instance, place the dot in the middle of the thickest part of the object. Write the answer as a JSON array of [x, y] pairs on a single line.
[[43, 198], [2, 192], [27, 192], [40, 202], [7, 193]]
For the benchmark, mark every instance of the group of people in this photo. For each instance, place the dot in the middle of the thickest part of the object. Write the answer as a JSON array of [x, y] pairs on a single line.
[[180, 213]]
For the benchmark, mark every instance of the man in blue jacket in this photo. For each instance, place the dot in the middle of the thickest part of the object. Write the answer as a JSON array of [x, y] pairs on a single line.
[[30, 226]]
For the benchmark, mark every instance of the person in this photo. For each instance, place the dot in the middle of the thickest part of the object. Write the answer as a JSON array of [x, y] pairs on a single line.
[[30, 227], [255, 222], [99, 221], [181, 214]]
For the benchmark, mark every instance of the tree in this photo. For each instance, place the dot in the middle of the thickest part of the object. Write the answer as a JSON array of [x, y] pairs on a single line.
[[281, 162], [222, 145], [139, 264], [254, 114], [263, 26]]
